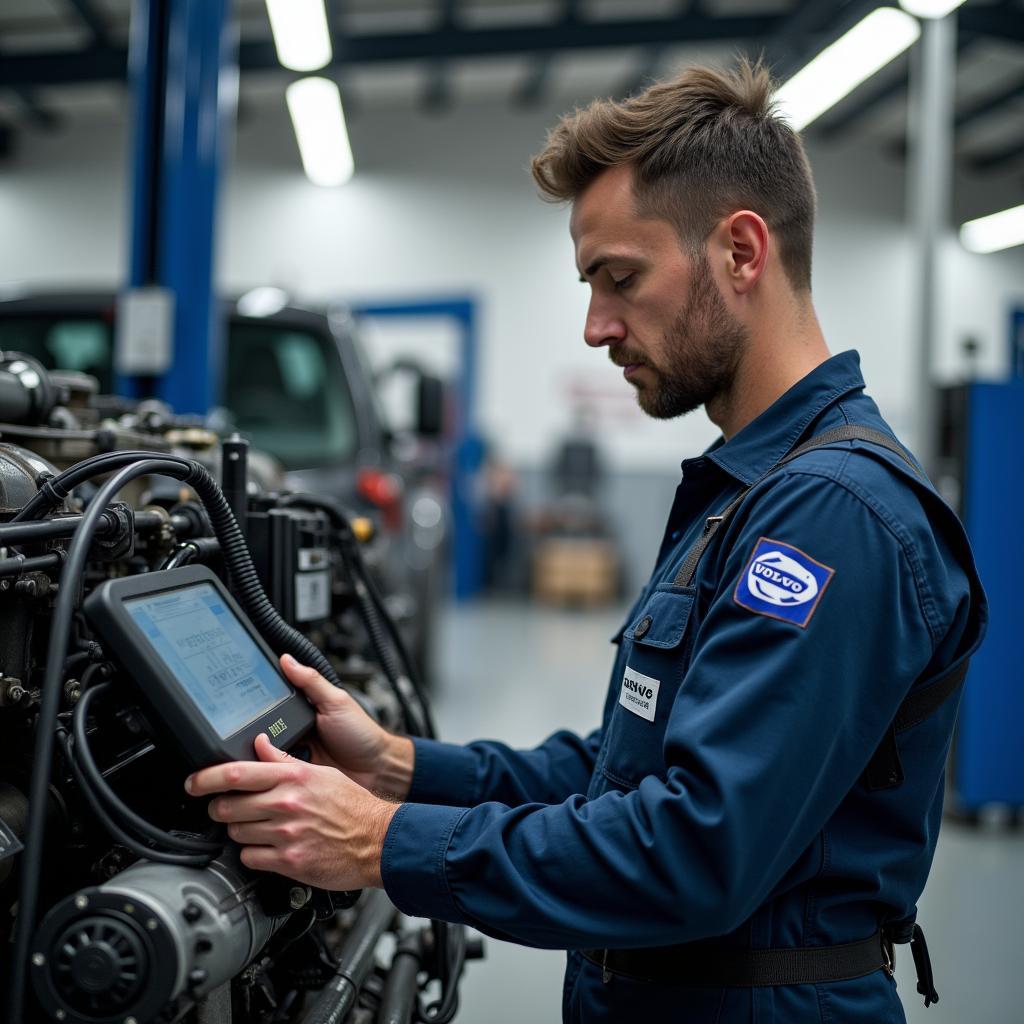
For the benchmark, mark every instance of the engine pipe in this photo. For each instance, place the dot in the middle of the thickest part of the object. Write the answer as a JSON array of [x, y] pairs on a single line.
[[55, 529], [355, 961], [17, 565], [398, 1001]]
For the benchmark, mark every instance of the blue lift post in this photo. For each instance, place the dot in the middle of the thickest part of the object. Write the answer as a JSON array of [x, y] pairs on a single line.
[[468, 455], [183, 68], [989, 761]]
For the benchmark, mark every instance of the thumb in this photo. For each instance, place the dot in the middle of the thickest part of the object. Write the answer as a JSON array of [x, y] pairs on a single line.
[[266, 751], [317, 689]]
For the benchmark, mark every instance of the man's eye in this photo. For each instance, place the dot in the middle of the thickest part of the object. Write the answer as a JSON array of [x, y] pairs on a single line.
[[623, 282]]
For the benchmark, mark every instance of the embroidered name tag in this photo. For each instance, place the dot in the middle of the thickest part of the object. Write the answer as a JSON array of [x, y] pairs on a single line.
[[639, 694], [782, 582]]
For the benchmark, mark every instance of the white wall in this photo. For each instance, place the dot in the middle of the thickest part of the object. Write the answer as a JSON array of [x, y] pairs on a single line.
[[443, 205]]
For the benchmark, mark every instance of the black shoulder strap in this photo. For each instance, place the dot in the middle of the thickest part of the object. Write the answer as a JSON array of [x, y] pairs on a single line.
[[884, 770], [852, 432]]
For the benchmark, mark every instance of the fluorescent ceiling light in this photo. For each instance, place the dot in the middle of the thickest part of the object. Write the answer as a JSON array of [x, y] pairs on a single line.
[[319, 122], [871, 44], [930, 8], [300, 33], [265, 301], [994, 232]]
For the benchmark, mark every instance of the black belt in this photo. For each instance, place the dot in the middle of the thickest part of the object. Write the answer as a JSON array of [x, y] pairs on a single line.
[[702, 966]]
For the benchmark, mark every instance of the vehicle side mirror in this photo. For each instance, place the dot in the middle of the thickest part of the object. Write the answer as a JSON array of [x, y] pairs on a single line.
[[429, 406]]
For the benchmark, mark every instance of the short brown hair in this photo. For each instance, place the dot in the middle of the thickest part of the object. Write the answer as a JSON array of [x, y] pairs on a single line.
[[702, 145]]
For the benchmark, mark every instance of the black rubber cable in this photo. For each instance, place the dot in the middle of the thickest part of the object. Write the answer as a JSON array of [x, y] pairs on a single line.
[[136, 846], [117, 807], [53, 492]]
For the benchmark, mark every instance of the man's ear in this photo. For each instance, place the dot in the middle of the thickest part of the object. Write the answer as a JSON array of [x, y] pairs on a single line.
[[745, 238]]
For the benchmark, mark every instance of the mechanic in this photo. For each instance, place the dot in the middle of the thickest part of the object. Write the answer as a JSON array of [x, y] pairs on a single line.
[[747, 833]]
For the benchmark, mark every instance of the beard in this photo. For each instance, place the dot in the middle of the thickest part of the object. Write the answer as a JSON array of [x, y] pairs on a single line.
[[702, 350]]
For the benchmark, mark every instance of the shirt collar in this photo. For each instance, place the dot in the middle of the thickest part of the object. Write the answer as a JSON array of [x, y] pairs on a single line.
[[771, 436]]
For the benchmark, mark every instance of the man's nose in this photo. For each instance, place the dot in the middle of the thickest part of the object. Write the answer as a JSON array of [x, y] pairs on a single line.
[[602, 327]]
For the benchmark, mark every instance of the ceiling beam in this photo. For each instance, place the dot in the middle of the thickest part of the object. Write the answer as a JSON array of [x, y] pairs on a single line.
[[997, 159], [437, 91], [788, 46], [109, 63], [88, 14], [1001, 21], [808, 29], [534, 86], [867, 99], [102, 64], [990, 103]]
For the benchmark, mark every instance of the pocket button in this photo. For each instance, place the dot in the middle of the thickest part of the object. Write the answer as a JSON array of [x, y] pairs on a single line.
[[642, 627]]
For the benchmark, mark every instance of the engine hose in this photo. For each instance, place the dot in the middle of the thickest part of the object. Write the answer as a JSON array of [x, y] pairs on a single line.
[[197, 549], [119, 809], [414, 723], [373, 612], [355, 961], [192, 860], [53, 492], [450, 941], [246, 583], [411, 675]]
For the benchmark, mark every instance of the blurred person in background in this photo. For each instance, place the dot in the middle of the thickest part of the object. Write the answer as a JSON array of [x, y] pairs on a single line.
[[745, 834]]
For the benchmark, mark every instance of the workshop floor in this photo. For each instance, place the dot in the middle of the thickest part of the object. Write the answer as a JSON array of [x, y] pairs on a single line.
[[517, 673]]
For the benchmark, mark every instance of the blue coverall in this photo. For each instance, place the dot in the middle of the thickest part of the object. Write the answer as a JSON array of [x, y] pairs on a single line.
[[731, 805]]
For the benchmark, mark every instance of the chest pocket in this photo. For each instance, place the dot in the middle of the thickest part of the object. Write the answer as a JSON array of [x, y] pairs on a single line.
[[652, 664]]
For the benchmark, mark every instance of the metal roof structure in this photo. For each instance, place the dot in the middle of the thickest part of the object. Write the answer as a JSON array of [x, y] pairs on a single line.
[[60, 56]]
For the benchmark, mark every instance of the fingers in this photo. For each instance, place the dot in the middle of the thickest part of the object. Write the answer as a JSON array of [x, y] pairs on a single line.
[[245, 776], [317, 689], [250, 807], [262, 858], [268, 753], [256, 833]]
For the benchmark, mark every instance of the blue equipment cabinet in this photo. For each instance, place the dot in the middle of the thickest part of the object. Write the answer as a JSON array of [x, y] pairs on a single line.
[[988, 765]]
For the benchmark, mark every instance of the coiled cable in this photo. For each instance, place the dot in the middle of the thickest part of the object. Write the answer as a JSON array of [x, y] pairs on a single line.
[[204, 850]]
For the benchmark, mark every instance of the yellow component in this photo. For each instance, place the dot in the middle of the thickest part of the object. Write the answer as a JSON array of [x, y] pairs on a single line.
[[363, 529]]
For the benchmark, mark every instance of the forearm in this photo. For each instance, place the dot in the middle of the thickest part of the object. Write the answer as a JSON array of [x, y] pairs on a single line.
[[395, 767]]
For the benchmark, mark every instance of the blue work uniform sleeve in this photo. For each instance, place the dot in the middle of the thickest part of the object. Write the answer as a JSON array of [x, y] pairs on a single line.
[[770, 728], [464, 776]]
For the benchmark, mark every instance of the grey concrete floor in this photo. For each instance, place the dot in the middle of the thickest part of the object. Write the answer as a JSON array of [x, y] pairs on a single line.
[[517, 672]]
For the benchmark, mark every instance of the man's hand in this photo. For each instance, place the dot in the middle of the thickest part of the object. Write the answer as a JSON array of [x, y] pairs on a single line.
[[305, 821], [349, 739]]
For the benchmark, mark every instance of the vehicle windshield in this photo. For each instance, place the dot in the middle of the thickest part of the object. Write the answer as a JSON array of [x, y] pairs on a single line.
[[284, 386], [287, 393], [59, 342]]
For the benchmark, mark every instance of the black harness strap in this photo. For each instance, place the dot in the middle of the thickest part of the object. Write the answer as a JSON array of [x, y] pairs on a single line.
[[688, 570], [701, 966], [884, 770], [696, 965]]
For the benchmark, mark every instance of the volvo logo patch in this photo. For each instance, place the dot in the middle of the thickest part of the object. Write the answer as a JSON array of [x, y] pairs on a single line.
[[782, 582], [639, 694]]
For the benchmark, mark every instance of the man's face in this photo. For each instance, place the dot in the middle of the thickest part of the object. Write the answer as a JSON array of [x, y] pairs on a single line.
[[656, 306]]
